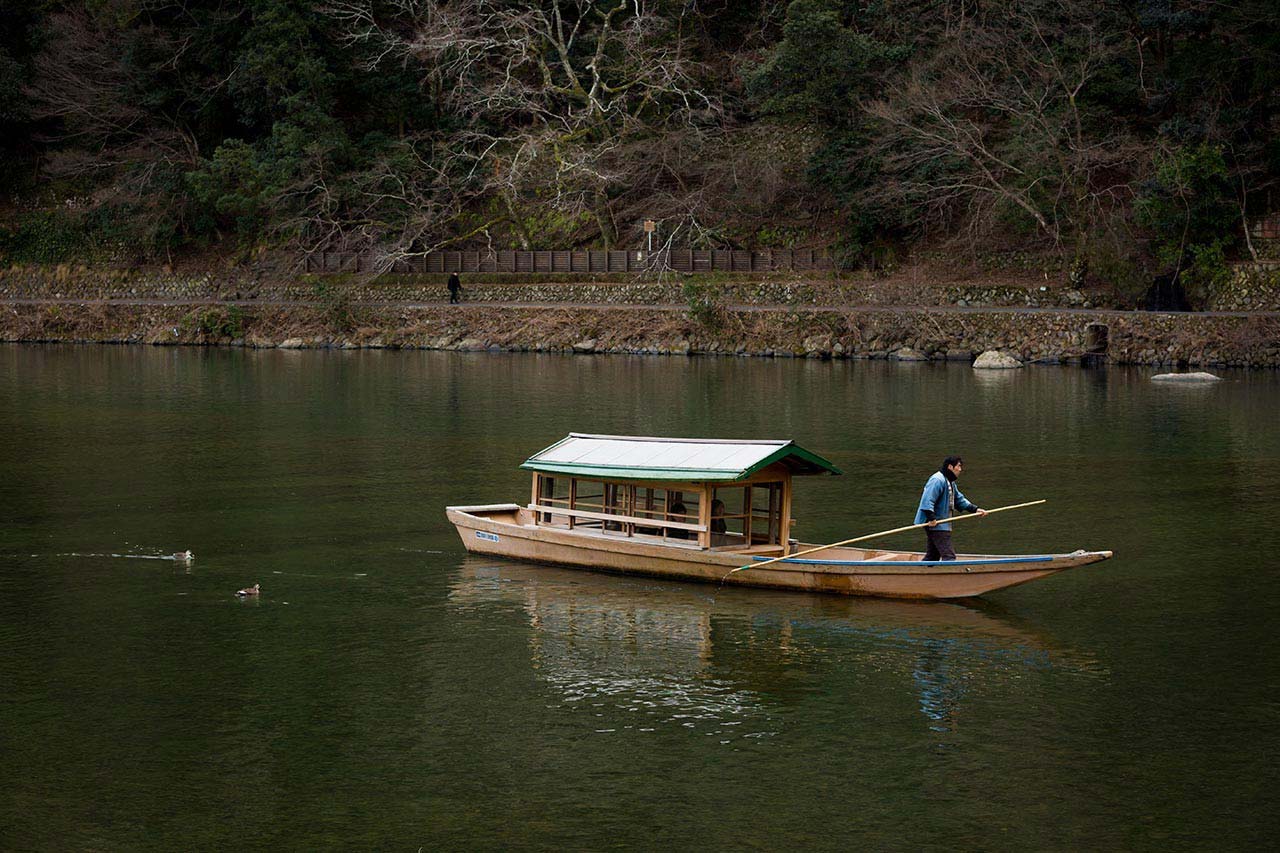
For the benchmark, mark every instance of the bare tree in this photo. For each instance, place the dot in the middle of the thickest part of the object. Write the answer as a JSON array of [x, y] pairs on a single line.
[[87, 95], [995, 115], [82, 80], [553, 102]]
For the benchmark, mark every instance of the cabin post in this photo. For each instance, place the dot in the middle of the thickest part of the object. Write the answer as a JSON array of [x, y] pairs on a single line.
[[573, 499], [746, 510], [704, 517], [775, 513], [533, 497], [786, 514], [632, 491]]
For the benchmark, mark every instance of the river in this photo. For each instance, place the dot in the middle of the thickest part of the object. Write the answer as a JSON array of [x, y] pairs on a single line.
[[388, 691]]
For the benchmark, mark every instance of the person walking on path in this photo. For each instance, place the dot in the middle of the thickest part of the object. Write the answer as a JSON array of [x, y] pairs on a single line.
[[455, 287], [939, 502]]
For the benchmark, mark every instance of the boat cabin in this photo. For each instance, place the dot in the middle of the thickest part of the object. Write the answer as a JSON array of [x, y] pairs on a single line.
[[683, 492]]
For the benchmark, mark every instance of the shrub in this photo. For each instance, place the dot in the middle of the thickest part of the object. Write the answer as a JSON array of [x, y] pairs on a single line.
[[335, 306], [1207, 273], [45, 237], [706, 303], [218, 323]]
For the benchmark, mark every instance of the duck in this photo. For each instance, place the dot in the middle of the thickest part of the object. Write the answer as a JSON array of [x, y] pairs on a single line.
[[184, 556], [249, 590]]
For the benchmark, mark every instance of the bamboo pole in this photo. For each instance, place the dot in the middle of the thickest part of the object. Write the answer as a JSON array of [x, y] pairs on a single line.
[[763, 563]]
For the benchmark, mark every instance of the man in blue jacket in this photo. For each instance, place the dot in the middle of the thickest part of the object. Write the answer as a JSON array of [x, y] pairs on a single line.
[[939, 502]]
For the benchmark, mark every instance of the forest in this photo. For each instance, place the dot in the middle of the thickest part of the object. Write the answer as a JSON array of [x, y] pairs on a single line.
[[1128, 139]]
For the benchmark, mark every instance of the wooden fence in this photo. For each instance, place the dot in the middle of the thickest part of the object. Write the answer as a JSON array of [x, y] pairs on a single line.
[[586, 261], [1267, 228]]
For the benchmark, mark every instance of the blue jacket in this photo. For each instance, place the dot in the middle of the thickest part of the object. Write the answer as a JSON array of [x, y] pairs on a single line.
[[935, 497]]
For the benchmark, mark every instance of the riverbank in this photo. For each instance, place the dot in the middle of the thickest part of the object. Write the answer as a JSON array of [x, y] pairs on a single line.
[[906, 334], [856, 316]]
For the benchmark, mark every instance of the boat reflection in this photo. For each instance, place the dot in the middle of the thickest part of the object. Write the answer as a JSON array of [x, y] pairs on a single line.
[[691, 654]]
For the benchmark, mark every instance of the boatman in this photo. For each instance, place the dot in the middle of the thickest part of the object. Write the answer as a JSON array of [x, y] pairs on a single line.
[[939, 502]]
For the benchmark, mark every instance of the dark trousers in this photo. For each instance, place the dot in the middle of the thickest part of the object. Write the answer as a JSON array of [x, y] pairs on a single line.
[[939, 544], [453, 295]]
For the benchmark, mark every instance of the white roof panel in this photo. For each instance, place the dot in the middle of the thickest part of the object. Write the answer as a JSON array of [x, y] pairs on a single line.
[[640, 457]]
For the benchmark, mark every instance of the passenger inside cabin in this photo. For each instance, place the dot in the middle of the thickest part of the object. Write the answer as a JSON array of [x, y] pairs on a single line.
[[719, 530], [678, 511], [717, 517]]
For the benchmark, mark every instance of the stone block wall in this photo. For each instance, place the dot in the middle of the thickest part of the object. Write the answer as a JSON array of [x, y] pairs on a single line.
[[1253, 287], [825, 290]]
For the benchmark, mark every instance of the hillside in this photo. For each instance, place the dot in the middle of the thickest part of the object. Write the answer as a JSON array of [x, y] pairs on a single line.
[[1128, 144]]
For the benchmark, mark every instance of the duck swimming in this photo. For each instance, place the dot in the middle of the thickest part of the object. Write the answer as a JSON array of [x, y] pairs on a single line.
[[184, 556], [249, 590]]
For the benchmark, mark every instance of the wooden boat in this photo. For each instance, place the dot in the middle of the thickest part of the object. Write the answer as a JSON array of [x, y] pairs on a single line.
[[695, 509]]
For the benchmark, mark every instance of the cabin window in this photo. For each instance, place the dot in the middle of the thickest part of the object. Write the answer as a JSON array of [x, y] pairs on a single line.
[[742, 516], [547, 495], [729, 516], [649, 505], [642, 511], [619, 499], [682, 508], [748, 515], [551, 494], [589, 496], [765, 518]]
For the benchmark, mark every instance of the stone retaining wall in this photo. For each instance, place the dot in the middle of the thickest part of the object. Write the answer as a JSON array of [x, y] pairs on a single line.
[[794, 290], [1253, 287]]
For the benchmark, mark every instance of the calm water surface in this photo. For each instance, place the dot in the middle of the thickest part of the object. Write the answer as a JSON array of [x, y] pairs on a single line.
[[388, 691]]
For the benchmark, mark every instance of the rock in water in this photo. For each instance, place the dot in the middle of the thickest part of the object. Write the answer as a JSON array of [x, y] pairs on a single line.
[[995, 360], [1185, 377], [908, 354]]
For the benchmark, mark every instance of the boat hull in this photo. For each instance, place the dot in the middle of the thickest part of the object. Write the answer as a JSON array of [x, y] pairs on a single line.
[[507, 530]]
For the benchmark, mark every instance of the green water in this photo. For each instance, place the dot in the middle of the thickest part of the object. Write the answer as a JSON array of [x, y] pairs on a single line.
[[387, 691]]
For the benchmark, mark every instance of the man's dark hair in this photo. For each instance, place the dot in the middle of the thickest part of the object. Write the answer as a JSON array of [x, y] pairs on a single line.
[[949, 461]]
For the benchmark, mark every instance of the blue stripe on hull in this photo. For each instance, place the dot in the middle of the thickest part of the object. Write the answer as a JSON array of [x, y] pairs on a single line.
[[1039, 559]]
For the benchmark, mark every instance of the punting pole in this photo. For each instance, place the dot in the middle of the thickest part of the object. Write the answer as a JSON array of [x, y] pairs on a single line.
[[763, 563]]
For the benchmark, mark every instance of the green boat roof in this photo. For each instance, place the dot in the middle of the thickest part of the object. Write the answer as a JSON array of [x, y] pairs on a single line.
[[630, 457]]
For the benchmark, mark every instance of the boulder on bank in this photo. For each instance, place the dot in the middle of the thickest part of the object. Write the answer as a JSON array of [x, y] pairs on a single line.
[[586, 346], [1185, 377], [816, 346], [995, 360], [293, 343], [908, 354]]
